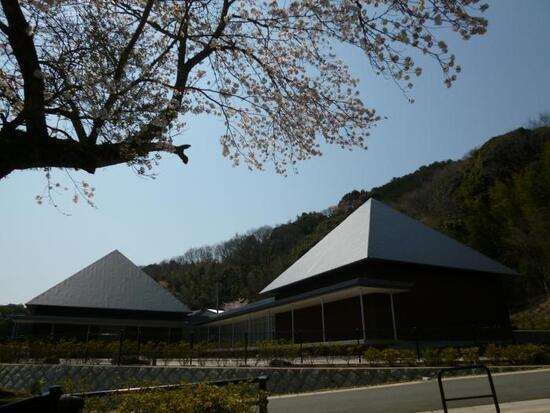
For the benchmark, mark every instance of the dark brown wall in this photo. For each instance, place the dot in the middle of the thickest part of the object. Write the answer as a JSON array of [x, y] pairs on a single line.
[[343, 320], [104, 333], [283, 326], [439, 297], [379, 324], [452, 307], [308, 324]]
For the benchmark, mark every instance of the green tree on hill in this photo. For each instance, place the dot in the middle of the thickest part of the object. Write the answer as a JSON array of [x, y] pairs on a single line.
[[522, 208]]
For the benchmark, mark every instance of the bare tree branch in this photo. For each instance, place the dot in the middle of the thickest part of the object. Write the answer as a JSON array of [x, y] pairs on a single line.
[[21, 41]]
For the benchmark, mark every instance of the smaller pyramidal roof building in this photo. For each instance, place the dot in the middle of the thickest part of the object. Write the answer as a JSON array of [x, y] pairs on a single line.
[[379, 275], [109, 294]]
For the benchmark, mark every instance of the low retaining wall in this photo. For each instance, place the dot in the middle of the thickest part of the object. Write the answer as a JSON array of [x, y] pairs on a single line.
[[281, 380]]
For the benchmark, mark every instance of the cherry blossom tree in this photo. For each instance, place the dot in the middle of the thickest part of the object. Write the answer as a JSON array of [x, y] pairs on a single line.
[[89, 84]]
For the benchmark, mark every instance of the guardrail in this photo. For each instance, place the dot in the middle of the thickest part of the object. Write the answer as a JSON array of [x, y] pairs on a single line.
[[444, 399], [54, 401]]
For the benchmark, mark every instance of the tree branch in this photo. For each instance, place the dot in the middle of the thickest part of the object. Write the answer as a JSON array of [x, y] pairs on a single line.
[[4, 28], [119, 70], [24, 50], [19, 150], [184, 67]]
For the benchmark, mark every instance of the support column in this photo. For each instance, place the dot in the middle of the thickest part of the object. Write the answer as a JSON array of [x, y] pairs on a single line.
[[14, 330], [292, 323], [52, 331], [232, 335], [208, 335], [268, 328], [219, 336], [323, 320], [362, 315], [393, 317]]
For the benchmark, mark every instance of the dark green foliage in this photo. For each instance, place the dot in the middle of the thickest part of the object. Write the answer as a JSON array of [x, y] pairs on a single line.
[[5, 312], [449, 356], [432, 357], [517, 354], [240, 267], [496, 200], [536, 317], [470, 355]]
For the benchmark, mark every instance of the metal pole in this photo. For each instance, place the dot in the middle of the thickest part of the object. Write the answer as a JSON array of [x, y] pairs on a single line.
[[138, 341], [54, 395], [358, 347], [267, 330], [393, 317], [217, 295], [301, 349], [362, 316], [323, 319], [120, 337], [245, 348], [14, 330], [87, 340], [292, 322], [417, 343], [262, 405]]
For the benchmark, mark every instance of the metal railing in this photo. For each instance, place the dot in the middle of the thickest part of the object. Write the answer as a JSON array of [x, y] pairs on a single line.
[[445, 399], [54, 401]]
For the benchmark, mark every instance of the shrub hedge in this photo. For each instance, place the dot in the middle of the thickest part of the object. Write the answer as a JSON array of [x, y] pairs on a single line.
[[190, 399], [266, 352], [203, 398]]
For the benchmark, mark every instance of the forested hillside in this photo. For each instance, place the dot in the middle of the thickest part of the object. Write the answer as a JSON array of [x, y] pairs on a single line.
[[496, 199]]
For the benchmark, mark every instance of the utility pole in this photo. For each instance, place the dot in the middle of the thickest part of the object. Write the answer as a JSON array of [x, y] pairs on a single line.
[[217, 295]]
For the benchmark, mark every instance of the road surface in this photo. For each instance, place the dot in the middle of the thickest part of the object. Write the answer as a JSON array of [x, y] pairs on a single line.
[[418, 396]]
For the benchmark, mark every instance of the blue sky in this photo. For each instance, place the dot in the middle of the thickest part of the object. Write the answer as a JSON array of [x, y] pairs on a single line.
[[505, 81]]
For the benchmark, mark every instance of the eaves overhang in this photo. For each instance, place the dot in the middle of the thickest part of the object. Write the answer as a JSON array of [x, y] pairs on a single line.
[[372, 284]]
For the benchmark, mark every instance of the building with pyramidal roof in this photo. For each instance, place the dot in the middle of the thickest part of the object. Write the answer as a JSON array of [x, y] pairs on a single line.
[[101, 299], [380, 275]]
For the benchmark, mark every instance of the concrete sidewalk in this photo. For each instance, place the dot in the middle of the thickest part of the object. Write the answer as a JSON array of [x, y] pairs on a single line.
[[527, 406]]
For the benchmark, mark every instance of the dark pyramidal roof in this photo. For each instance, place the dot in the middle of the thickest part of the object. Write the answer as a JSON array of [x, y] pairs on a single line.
[[112, 282], [376, 231]]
